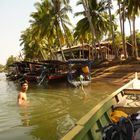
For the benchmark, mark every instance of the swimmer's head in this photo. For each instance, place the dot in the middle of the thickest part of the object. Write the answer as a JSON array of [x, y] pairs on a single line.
[[24, 83]]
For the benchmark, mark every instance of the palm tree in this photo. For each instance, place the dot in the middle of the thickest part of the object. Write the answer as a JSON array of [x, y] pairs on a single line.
[[100, 21], [33, 37], [112, 30], [123, 28], [49, 26], [86, 5], [82, 34], [62, 20], [133, 11], [32, 46]]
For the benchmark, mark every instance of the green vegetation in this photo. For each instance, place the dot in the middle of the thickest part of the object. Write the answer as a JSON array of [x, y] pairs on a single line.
[[11, 60], [51, 28], [2, 68]]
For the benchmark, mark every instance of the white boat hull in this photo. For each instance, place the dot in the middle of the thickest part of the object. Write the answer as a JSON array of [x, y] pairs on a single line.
[[79, 83]]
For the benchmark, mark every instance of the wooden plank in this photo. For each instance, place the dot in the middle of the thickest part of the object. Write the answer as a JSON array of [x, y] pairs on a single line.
[[131, 91]]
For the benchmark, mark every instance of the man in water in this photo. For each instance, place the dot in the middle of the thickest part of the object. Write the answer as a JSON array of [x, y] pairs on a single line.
[[22, 97]]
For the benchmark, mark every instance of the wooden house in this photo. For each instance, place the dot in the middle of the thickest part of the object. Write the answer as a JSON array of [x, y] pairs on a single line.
[[86, 51]]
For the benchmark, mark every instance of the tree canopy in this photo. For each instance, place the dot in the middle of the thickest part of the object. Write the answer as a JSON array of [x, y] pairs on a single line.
[[50, 26]]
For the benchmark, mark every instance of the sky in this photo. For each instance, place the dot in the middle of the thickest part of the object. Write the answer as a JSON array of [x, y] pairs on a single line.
[[14, 18]]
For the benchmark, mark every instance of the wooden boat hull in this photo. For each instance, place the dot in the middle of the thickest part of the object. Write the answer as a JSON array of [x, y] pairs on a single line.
[[56, 77], [53, 71], [87, 127], [30, 77]]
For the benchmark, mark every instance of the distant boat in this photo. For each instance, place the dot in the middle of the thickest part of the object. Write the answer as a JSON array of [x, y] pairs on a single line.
[[24, 70], [91, 125], [33, 71], [79, 72], [16, 71]]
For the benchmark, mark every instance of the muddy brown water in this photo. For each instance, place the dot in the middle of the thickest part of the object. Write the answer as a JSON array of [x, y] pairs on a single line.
[[52, 110]]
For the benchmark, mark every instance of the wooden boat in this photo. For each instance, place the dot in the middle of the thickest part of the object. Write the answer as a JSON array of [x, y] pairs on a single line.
[[11, 72], [24, 70], [53, 71], [33, 71], [79, 72], [96, 119], [16, 71]]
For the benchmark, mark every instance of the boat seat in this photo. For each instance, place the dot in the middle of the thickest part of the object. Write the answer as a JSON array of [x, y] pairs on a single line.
[[128, 110], [128, 104], [122, 102], [134, 92], [131, 91]]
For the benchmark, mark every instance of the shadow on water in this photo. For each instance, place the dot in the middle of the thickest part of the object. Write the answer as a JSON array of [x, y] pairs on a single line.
[[52, 111]]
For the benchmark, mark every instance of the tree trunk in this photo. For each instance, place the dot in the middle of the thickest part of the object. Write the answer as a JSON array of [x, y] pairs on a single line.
[[112, 31], [120, 16], [131, 33], [87, 11], [123, 32], [60, 46], [66, 38], [100, 51], [134, 39]]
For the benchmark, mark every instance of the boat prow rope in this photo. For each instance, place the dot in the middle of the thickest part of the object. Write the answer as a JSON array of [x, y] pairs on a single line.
[[42, 80]]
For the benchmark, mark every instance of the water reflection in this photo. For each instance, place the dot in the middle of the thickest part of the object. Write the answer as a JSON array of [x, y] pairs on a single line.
[[64, 124], [52, 110], [25, 118]]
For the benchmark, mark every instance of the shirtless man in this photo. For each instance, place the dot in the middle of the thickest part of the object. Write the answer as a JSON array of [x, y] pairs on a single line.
[[22, 97]]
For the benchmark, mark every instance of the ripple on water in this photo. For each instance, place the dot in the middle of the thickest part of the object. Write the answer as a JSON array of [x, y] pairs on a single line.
[[8, 118], [64, 124], [45, 106], [51, 111]]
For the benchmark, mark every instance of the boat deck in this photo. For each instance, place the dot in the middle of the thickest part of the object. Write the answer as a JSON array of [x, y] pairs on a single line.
[[130, 102]]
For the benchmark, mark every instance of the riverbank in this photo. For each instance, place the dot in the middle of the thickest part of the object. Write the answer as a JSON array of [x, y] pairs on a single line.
[[119, 72]]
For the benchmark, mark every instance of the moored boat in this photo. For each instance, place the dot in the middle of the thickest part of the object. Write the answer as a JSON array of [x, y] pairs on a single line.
[[79, 72], [52, 71], [33, 71], [16, 70], [90, 126]]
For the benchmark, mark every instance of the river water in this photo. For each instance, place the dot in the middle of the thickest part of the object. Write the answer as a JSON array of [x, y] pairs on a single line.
[[52, 111]]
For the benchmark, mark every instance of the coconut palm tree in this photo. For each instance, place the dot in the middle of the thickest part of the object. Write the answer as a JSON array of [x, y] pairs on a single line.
[[133, 11], [112, 29], [124, 12], [33, 37], [32, 46], [62, 20], [50, 21], [100, 21], [86, 5]]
